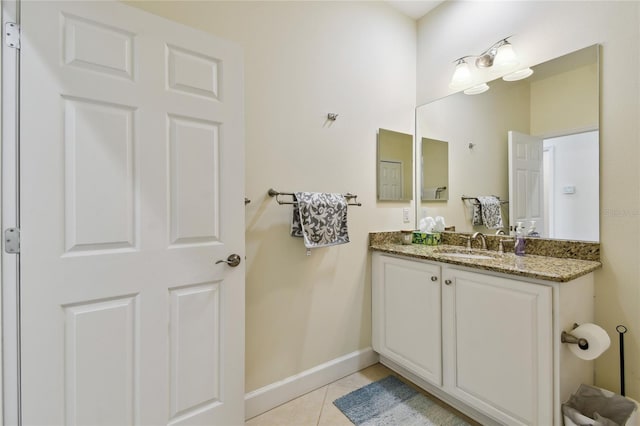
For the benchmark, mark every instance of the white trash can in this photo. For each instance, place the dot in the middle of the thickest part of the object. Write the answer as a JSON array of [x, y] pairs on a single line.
[[576, 418]]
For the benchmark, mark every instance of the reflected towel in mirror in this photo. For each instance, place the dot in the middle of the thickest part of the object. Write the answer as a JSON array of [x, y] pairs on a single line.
[[320, 218], [488, 212]]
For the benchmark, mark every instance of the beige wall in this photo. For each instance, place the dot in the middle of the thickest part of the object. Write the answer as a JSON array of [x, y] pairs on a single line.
[[565, 103], [542, 31], [302, 61], [435, 155]]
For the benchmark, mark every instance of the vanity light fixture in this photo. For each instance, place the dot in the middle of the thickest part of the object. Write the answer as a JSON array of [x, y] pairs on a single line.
[[504, 56], [500, 56], [461, 75]]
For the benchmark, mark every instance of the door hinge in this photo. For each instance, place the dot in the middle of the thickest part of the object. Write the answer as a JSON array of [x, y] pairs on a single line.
[[12, 35], [12, 240]]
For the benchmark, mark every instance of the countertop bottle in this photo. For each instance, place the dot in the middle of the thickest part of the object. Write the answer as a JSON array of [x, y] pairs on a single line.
[[519, 245], [531, 232]]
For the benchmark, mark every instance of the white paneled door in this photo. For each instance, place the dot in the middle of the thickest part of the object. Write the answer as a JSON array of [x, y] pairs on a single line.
[[526, 180], [132, 187]]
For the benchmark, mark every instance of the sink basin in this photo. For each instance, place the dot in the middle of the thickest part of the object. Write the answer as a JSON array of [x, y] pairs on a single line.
[[461, 253], [466, 255]]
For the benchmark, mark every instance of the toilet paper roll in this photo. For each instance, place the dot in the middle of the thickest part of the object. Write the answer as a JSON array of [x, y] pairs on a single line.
[[598, 339]]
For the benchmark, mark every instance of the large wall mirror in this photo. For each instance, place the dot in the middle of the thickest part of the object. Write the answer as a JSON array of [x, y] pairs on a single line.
[[395, 166], [533, 143]]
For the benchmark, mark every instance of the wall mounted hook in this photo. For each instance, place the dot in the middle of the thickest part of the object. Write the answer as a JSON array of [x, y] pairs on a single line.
[[332, 116]]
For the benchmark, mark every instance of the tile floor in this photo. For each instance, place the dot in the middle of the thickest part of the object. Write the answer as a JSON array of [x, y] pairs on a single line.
[[316, 408]]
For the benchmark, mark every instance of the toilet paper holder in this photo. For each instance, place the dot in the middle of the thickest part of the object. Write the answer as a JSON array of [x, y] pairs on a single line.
[[571, 339]]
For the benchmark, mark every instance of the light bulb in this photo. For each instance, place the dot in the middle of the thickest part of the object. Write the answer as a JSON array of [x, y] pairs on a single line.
[[505, 57], [461, 76]]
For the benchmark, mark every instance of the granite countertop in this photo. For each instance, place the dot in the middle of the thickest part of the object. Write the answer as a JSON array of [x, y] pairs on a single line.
[[529, 266]]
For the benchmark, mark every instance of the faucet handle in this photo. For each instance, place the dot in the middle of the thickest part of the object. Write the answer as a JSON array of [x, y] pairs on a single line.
[[468, 242]]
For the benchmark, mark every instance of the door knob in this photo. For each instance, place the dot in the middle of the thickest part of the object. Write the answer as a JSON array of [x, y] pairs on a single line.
[[233, 260]]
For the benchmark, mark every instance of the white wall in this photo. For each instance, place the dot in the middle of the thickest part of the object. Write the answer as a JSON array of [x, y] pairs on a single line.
[[573, 215], [542, 31], [302, 61]]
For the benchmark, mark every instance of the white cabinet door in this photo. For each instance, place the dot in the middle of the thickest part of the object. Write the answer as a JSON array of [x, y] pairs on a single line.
[[131, 189], [406, 315], [498, 346]]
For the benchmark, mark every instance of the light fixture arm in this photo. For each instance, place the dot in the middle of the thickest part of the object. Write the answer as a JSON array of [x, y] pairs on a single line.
[[486, 58], [462, 59]]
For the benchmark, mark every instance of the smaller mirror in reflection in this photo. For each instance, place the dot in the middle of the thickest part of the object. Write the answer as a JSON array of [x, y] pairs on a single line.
[[395, 166], [435, 170]]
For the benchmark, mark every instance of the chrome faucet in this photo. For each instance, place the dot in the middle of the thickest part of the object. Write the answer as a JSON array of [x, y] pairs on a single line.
[[500, 232], [482, 239]]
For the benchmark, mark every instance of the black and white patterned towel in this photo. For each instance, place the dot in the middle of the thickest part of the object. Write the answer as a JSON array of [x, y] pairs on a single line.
[[320, 218], [488, 212]]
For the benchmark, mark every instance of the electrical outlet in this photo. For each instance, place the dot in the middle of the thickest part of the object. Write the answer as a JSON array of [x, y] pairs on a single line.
[[405, 214]]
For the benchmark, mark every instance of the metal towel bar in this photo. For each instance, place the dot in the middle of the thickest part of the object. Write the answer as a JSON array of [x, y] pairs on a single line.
[[474, 200], [273, 193]]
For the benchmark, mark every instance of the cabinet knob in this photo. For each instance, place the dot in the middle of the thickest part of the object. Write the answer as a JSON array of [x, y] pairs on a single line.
[[448, 282], [434, 278]]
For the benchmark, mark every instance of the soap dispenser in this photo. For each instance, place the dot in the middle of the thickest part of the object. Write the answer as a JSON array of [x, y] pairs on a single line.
[[532, 230], [519, 245]]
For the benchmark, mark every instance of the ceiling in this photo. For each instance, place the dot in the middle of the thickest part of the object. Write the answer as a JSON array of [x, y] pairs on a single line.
[[415, 9]]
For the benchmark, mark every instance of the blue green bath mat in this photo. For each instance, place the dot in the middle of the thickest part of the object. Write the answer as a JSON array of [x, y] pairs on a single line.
[[391, 402]]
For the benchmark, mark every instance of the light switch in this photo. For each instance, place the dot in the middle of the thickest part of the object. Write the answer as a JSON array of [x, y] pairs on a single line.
[[405, 214], [570, 189]]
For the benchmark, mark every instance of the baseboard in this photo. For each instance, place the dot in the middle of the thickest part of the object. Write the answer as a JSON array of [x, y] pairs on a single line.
[[270, 396]]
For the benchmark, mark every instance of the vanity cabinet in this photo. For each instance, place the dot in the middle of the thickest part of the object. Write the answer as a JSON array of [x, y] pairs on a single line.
[[485, 343], [498, 346], [407, 320]]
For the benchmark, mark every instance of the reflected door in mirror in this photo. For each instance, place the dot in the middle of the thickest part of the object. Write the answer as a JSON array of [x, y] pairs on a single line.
[[395, 166]]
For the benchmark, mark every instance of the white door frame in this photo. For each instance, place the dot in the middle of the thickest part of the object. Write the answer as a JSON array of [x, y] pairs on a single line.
[[10, 401]]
